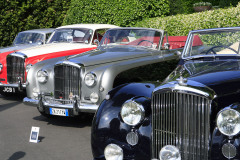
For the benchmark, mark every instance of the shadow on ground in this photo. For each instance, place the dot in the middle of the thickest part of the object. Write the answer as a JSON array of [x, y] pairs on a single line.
[[16, 97], [80, 122], [17, 155], [15, 100]]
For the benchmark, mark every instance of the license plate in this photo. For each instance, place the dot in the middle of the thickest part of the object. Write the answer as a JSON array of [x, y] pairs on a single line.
[[58, 112], [9, 90]]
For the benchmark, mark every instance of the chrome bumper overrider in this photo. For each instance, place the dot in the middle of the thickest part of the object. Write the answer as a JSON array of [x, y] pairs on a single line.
[[83, 107]]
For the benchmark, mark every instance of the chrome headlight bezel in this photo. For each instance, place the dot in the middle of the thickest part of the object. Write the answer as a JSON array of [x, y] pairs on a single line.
[[132, 113], [90, 79], [228, 127], [42, 76], [28, 67], [1, 67]]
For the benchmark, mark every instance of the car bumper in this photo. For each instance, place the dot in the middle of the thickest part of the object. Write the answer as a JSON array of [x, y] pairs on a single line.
[[82, 107], [12, 88]]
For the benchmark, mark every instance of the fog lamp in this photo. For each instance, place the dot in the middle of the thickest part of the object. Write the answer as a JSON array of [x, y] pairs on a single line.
[[132, 138], [35, 93], [170, 152], [132, 113], [113, 152], [228, 122], [94, 97]]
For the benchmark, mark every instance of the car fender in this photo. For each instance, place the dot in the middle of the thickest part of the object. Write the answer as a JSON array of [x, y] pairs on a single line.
[[107, 123]]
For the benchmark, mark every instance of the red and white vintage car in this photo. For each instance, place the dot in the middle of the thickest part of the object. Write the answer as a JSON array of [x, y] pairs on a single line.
[[65, 41]]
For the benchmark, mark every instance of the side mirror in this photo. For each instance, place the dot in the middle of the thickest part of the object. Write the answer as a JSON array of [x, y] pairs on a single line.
[[166, 46], [96, 42], [178, 53]]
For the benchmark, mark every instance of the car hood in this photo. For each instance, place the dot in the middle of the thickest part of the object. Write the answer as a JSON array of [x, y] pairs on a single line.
[[16, 47], [110, 54], [223, 77], [52, 47]]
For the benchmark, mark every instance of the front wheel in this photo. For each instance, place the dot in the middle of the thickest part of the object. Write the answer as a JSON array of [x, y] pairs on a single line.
[[44, 114]]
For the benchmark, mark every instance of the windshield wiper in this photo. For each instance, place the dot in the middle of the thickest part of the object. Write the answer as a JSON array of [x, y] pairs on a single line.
[[210, 57]]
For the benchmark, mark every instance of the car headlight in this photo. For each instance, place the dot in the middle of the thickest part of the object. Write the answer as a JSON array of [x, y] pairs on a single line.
[[228, 122], [28, 67], [1, 67], [132, 113], [90, 79], [42, 76], [113, 152], [169, 152]]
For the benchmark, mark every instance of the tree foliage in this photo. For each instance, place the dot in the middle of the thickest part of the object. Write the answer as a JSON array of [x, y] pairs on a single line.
[[186, 6], [181, 24], [118, 12], [23, 15]]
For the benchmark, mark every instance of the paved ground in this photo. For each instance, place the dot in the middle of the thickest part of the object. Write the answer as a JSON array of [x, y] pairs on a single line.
[[61, 138]]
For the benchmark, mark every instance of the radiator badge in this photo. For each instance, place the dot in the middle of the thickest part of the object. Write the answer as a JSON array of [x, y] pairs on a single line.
[[71, 96]]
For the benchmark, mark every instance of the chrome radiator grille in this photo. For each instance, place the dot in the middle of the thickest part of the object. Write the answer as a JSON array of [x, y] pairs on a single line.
[[15, 69], [67, 83], [182, 120]]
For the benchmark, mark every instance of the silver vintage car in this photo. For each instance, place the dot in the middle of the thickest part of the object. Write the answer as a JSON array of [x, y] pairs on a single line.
[[29, 38], [67, 86]]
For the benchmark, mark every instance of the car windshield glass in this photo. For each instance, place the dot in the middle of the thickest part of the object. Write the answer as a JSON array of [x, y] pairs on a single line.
[[218, 42], [134, 37], [71, 35], [28, 38]]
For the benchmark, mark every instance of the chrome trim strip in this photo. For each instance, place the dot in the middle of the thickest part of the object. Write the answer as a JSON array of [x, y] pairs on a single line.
[[68, 63], [18, 54], [69, 106], [190, 86], [83, 107], [90, 108], [12, 85]]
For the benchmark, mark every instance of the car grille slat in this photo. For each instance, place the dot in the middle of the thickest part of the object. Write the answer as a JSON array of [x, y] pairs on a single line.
[[66, 83], [182, 120], [15, 69]]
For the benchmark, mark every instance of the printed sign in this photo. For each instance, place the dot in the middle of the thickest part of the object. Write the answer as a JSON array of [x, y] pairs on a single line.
[[34, 134]]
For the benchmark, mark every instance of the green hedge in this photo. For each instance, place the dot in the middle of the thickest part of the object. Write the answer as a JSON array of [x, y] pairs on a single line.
[[118, 12], [182, 24], [186, 6], [23, 15]]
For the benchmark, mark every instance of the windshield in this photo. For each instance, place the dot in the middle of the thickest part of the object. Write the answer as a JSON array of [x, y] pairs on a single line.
[[72, 35], [28, 38], [218, 42], [134, 37]]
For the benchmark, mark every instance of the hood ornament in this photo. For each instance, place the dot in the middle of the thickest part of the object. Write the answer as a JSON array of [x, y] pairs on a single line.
[[181, 80]]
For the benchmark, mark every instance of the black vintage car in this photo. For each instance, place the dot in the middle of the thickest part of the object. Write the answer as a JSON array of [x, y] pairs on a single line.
[[193, 115]]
